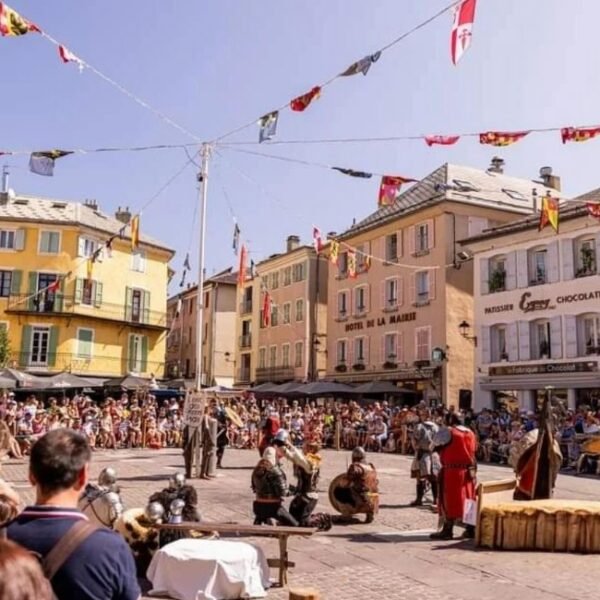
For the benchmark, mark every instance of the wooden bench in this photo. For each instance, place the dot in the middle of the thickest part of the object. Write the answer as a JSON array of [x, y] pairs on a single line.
[[282, 533]]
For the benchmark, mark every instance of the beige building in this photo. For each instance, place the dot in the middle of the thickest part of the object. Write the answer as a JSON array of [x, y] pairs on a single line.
[[399, 318], [218, 340], [291, 346]]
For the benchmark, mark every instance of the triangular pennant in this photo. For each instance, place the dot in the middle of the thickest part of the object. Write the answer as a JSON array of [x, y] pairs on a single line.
[[67, 56], [13, 24], [300, 103], [361, 66], [353, 173]]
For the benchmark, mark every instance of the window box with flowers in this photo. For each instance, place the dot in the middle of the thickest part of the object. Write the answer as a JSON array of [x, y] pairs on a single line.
[[341, 368], [390, 364], [359, 366], [497, 282]]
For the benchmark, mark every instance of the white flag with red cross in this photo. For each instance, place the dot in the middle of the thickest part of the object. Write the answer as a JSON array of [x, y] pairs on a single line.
[[462, 29]]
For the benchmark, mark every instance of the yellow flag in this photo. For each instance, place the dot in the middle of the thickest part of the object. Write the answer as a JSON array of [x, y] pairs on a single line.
[[13, 24], [135, 232], [549, 214], [334, 252], [90, 269]]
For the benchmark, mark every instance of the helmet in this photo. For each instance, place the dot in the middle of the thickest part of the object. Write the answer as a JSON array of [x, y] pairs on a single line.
[[107, 477], [176, 508], [154, 512], [177, 480], [358, 454], [281, 436]]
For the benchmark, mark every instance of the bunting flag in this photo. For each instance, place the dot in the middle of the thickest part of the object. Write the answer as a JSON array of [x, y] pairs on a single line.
[[300, 103], [501, 138], [268, 126], [593, 209], [389, 189], [54, 286], [462, 29], [183, 276], [135, 232], [352, 264], [353, 173], [366, 265], [361, 66], [236, 238], [13, 24], [67, 56], [178, 307], [89, 269], [243, 266], [549, 214], [317, 240], [108, 246], [578, 134], [42, 163], [266, 309], [334, 252], [252, 269], [186, 262], [441, 140]]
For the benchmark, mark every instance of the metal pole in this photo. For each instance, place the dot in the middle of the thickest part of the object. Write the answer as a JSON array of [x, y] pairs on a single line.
[[203, 179]]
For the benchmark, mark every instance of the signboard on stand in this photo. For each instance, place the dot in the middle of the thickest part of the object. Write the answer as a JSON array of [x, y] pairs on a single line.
[[193, 412], [193, 409]]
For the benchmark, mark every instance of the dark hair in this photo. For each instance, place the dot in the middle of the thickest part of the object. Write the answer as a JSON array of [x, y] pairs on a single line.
[[21, 576], [57, 459]]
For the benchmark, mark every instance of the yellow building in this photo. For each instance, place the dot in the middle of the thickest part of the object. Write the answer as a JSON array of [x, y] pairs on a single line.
[[58, 319]]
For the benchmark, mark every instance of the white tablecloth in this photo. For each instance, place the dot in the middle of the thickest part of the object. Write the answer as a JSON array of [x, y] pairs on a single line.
[[192, 569]]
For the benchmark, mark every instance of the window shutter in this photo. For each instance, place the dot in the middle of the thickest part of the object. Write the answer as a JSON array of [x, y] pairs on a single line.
[[367, 349], [400, 347], [98, 294], [511, 271], [383, 296], [431, 278], [552, 256], [144, 366], [571, 348], [512, 348], [597, 254], [20, 237], [15, 282], [486, 345], [567, 259], [26, 333], [60, 294], [33, 278], [128, 303], [522, 264], [399, 243], [349, 351], [52, 345], [80, 246], [412, 292], [484, 276], [556, 337], [524, 340], [430, 234], [367, 297], [78, 290], [411, 240], [131, 355], [382, 356]]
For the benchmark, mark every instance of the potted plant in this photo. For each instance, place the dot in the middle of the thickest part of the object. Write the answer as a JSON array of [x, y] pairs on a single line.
[[359, 366], [497, 280], [341, 368], [588, 262], [390, 364]]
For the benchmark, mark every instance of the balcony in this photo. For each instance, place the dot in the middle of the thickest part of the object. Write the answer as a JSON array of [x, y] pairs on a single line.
[[274, 374], [245, 307], [64, 306], [246, 340], [243, 376]]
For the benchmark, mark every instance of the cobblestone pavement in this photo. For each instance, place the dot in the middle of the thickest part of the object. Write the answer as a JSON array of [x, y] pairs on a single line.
[[391, 558]]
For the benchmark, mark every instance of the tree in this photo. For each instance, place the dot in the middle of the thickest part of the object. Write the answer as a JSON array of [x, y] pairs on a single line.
[[4, 347]]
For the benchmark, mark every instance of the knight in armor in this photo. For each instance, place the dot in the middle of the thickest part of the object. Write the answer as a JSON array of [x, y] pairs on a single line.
[[270, 487], [457, 446], [222, 437], [209, 430], [426, 463]]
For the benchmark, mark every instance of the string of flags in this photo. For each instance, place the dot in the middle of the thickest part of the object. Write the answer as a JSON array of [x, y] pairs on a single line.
[[42, 162]]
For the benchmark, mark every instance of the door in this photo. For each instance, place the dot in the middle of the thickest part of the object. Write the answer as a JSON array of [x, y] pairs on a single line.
[[136, 306], [40, 342]]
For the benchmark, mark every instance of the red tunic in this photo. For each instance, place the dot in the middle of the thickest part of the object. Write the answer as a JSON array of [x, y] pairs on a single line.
[[456, 482]]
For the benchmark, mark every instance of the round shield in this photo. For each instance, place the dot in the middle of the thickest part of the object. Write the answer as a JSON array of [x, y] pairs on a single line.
[[234, 417], [340, 496]]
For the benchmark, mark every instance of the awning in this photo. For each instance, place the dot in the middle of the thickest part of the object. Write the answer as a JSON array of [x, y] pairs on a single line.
[[402, 375], [539, 382]]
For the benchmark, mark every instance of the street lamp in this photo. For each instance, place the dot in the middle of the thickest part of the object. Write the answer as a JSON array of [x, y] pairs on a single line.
[[464, 329]]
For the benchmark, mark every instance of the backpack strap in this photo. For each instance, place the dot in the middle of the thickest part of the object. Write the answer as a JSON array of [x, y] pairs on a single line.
[[67, 544]]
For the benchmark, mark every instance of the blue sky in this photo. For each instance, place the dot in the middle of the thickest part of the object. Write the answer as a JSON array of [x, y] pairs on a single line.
[[215, 64]]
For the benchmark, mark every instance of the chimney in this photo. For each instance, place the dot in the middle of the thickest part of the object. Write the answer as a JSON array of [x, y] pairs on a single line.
[[293, 241], [497, 165], [92, 204], [123, 215], [548, 179], [5, 175]]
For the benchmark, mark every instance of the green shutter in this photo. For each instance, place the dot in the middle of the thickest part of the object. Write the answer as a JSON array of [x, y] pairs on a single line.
[[128, 303], [60, 295], [33, 278], [98, 295], [78, 291], [20, 238], [130, 355], [85, 338], [26, 333], [52, 345], [144, 368], [15, 283], [145, 307]]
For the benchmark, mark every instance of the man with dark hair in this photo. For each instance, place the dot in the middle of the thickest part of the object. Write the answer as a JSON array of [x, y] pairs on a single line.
[[81, 560]]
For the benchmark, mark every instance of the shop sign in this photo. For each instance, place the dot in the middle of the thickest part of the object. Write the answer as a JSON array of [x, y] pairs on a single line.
[[577, 367], [381, 321], [526, 304]]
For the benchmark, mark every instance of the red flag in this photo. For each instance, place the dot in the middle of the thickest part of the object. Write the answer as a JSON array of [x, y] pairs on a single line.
[[578, 134], [593, 209], [317, 239], [266, 309], [352, 264], [242, 269], [390, 188], [462, 28], [67, 56], [301, 102], [501, 138], [53, 287], [442, 140]]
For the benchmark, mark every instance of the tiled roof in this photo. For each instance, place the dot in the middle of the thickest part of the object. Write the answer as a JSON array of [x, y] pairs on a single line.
[[226, 277], [46, 210], [457, 183], [593, 196]]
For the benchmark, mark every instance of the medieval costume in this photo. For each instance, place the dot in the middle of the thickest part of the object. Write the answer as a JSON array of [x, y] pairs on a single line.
[[270, 486], [457, 446], [222, 437], [209, 442], [269, 429], [426, 463]]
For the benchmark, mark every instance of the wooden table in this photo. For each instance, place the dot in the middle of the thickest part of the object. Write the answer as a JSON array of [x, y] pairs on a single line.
[[282, 533]]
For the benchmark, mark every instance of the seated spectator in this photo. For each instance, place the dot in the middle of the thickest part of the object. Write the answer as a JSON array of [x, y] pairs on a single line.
[[21, 576], [100, 566]]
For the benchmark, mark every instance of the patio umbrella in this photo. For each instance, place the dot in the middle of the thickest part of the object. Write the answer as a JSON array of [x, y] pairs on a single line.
[[287, 389], [325, 388], [381, 387], [6, 383], [263, 388], [21, 379], [128, 382], [67, 380]]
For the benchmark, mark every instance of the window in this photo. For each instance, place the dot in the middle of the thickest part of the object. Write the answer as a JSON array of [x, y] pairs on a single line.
[[391, 294], [299, 272], [540, 342], [287, 310], [591, 334], [342, 304], [87, 247], [299, 310], [5, 283], [40, 340], [343, 264], [262, 358], [287, 276], [423, 343], [136, 306], [586, 258], [274, 316], [85, 343], [298, 354], [206, 300], [342, 351], [359, 350], [422, 237], [464, 186], [46, 300], [49, 242], [7, 239], [498, 343], [87, 292], [285, 355], [138, 261], [363, 260], [537, 267], [360, 300], [497, 281], [422, 287], [273, 356], [390, 347], [274, 280], [391, 247]]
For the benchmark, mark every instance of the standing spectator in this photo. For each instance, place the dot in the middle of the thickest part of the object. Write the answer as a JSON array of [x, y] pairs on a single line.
[[21, 576]]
